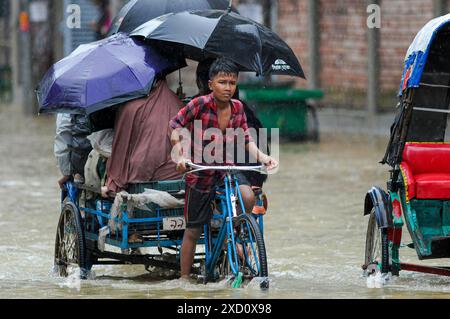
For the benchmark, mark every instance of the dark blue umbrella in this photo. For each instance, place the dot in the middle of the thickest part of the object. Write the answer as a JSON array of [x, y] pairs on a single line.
[[137, 12], [199, 33], [101, 74]]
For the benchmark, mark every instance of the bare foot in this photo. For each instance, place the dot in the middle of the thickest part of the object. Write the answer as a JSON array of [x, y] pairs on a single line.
[[187, 280]]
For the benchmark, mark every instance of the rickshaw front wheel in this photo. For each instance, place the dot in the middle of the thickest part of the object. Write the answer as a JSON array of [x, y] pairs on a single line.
[[250, 249], [377, 248], [70, 245]]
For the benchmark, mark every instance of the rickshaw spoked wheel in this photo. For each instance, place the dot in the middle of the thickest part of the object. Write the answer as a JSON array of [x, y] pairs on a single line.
[[70, 245], [377, 248], [250, 243], [250, 249]]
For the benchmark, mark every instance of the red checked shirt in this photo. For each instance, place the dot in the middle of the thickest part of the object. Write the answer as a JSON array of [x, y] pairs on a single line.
[[203, 111]]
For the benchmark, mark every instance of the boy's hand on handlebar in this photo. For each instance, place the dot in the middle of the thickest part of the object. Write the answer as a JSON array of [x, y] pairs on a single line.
[[181, 165], [270, 162]]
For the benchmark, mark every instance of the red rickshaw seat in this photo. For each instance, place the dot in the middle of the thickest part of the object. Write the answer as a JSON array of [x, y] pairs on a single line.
[[426, 170], [433, 185]]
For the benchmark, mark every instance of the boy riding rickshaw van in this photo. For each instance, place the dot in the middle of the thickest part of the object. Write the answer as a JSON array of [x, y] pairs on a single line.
[[418, 152], [141, 219]]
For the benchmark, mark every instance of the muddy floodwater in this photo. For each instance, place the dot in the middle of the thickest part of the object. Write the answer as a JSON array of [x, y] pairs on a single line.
[[314, 230]]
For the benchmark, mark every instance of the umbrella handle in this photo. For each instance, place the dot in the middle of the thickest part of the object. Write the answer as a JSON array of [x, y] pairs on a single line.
[[180, 87]]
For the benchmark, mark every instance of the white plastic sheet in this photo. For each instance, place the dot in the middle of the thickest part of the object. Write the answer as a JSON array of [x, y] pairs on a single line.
[[102, 141]]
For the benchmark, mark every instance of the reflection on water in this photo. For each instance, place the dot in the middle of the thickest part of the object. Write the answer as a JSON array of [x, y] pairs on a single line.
[[315, 229]]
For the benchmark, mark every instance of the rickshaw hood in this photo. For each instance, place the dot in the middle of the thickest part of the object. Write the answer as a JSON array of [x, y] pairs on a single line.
[[418, 51]]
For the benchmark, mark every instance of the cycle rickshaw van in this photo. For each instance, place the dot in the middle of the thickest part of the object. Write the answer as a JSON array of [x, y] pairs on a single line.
[[96, 231], [418, 152]]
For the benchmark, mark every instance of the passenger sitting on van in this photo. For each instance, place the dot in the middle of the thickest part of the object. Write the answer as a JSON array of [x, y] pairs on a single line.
[[72, 147], [141, 147]]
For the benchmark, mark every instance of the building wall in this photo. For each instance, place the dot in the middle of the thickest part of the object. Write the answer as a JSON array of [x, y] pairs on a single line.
[[292, 26], [343, 47], [401, 20]]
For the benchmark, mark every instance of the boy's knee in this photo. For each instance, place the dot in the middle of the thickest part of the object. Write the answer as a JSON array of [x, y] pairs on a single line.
[[248, 197], [193, 234]]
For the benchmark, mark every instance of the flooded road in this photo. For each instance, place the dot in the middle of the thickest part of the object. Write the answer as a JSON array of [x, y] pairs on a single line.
[[315, 229]]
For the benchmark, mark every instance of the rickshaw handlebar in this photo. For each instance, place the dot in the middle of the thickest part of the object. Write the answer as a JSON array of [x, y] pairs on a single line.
[[197, 168]]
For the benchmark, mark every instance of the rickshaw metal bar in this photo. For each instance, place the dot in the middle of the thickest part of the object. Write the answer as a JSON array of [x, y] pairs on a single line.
[[426, 109], [400, 138], [218, 248], [197, 168], [98, 213], [145, 243], [261, 224], [172, 248], [425, 269], [124, 230], [158, 224], [72, 192], [102, 209], [139, 259], [435, 85], [238, 191], [404, 125], [145, 220], [257, 168], [205, 231], [130, 220], [230, 226], [93, 221], [111, 262]]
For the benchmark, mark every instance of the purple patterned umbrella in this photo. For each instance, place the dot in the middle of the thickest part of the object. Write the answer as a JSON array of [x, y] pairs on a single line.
[[101, 74]]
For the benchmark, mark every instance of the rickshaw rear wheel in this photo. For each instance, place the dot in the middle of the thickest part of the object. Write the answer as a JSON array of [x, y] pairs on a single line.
[[377, 248], [70, 245]]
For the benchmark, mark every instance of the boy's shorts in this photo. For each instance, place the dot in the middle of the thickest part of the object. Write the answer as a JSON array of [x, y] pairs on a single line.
[[198, 205]]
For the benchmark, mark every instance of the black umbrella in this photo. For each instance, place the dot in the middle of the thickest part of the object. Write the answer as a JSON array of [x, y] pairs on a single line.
[[137, 12], [203, 33]]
